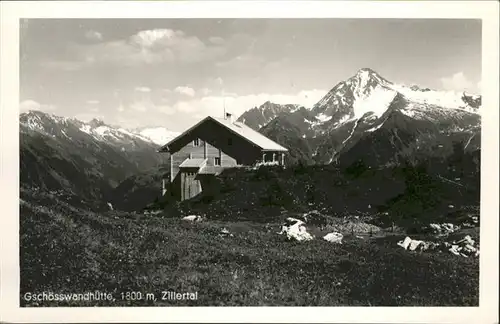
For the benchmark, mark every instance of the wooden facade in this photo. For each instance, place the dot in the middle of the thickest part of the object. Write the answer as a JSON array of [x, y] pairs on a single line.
[[203, 152]]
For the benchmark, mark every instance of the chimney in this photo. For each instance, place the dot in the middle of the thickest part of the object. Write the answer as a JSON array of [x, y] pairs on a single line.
[[229, 117]]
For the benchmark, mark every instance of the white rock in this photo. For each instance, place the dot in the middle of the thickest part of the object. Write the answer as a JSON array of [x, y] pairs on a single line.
[[414, 244], [192, 218], [435, 227], [297, 231], [464, 247], [405, 243], [450, 228], [445, 228], [455, 249], [467, 240], [334, 237], [225, 232]]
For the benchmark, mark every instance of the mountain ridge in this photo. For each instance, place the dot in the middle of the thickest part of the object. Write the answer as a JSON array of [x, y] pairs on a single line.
[[83, 160], [36, 120], [358, 107]]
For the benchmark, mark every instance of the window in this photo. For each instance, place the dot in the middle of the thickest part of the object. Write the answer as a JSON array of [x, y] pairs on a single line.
[[196, 142], [217, 160]]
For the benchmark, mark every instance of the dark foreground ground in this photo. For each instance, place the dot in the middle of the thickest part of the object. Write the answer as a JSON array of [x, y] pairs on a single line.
[[67, 250]]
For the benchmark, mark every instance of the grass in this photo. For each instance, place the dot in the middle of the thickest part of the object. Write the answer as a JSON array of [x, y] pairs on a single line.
[[65, 249]]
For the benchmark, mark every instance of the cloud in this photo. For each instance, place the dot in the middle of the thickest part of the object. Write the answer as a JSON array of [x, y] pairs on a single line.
[[65, 65], [93, 35], [140, 106], [147, 109], [29, 104], [86, 117], [213, 105], [216, 40], [143, 89], [146, 103], [185, 91], [457, 82], [247, 62], [154, 46], [480, 85], [205, 91], [93, 102]]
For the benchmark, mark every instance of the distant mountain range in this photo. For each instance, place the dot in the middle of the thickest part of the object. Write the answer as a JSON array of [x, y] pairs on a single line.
[[365, 120], [85, 160], [56, 126], [368, 117]]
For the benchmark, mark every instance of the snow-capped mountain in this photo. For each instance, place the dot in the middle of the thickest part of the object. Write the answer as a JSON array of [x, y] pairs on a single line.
[[158, 135], [369, 93], [260, 116], [84, 159], [409, 120], [57, 126]]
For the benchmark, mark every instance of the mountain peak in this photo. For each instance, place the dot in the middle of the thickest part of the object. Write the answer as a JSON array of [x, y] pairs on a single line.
[[366, 70], [96, 122], [368, 77], [34, 113]]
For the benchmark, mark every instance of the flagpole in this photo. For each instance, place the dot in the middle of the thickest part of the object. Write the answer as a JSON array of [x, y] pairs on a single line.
[[224, 105]]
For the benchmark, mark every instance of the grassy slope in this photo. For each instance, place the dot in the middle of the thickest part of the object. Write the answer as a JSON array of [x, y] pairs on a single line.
[[409, 195], [64, 249]]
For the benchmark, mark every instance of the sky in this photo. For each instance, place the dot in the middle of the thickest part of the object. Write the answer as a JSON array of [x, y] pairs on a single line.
[[172, 72]]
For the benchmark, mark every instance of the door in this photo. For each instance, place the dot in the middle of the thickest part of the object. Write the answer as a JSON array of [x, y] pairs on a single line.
[[191, 186]]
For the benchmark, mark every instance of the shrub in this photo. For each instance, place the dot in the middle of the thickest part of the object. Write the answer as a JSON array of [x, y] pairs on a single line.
[[300, 168], [356, 169], [276, 195], [266, 173]]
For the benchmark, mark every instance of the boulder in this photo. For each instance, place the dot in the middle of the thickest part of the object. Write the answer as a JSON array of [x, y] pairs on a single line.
[[225, 232], [412, 245], [464, 247], [192, 218], [436, 228], [295, 229], [405, 243], [467, 240], [334, 237], [443, 229]]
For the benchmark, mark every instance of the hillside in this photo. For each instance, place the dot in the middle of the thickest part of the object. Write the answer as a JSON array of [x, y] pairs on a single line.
[[87, 160], [121, 252], [409, 194]]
